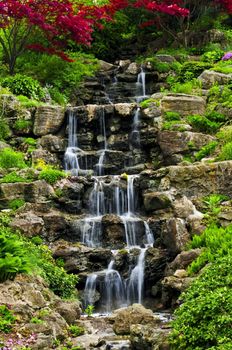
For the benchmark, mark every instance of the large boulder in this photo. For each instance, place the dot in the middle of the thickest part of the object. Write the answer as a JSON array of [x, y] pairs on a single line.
[[124, 318], [176, 236], [48, 120], [183, 104], [183, 260], [29, 224], [53, 143], [146, 337], [157, 200], [124, 109], [210, 77]]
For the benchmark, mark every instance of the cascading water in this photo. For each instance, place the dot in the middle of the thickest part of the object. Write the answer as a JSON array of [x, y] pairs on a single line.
[[116, 195]]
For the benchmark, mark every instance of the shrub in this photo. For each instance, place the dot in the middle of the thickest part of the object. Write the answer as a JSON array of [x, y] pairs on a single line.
[[51, 175], [150, 101], [37, 240], [7, 319], [206, 150], [170, 116], [187, 87], [225, 134], [27, 102], [89, 310], [24, 85], [4, 129], [11, 159], [222, 67], [212, 56], [13, 255], [30, 141], [203, 124], [226, 152], [22, 124], [12, 178], [191, 70], [16, 203], [204, 319], [75, 331]]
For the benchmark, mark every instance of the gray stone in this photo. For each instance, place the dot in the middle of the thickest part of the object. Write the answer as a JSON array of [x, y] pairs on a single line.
[[29, 224], [48, 120], [183, 104], [156, 201], [210, 77], [53, 143], [176, 236], [134, 68]]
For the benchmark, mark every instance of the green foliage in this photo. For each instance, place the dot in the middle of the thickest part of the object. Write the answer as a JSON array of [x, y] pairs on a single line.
[[161, 67], [13, 255], [30, 141], [4, 129], [20, 84], [184, 88], [60, 282], [212, 56], [7, 319], [203, 124], [191, 70], [148, 102], [221, 94], [222, 67], [225, 134], [171, 116], [89, 310], [37, 240], [12, 178], [11, 159], [51, 175], [75, 331], [16, 203], [61, 78], [212, 207], [36, 320], [22, 124], [206, 150], [204, 319], [226, 152], [174, 125], [27, 102]]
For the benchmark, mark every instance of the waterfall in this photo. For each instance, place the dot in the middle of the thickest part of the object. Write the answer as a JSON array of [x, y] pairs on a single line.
[[141, 82], [70, 157], [90, 290], [135, 134], [135, 285], [100, 164]]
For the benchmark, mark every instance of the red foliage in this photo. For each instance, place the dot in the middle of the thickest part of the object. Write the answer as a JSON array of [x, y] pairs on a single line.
[[59, 20], [169, 7], [227, 4]]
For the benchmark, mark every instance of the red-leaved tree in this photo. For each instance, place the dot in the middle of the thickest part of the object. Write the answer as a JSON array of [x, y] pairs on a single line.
[[55, 23]]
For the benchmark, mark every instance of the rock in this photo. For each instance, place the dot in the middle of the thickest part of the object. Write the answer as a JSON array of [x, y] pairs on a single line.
[[37, 191], [176, 236], [124, 318], [166, 58], [210, 77], [113, 230], [53, 143], [180, 273], [69, 310], [29, 224], [172, 287], [183, 207], [134, 68], [48, 120], [183, 104], [119, 141], [172, 142], [55, 225], [157, 200], [124, 109], [151, 112], [106, 66], [42, 154], [4, 145], [146, 337]]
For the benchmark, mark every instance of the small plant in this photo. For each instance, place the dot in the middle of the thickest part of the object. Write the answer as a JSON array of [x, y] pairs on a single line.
[[16, 203], [4, 129], [212, 56], [76, 331], [89, 310], [206, 150], [7, 319], [226, 152], [37, 240], [27, 102], [225, 134], [36, 320], [147, 103], [30, 141], [51, 175], [12, 178], [11, 159], [22, 124], [24, 85], [172, 116], [59, 192], [203, 124]]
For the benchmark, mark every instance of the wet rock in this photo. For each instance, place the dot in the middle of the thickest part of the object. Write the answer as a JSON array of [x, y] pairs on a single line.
[[69, 310], [156, 260], [134, 68], [119, 141], [124, 318], [182, 260], [209, 78], [29, 224], [124, 109], [183, 207], [106, 66], [146, 337], [113, 231], [183, 104], [157, 200], [55, 225], [172, 287], [48, 120], [176, 236], [53, 143], [172, 142]]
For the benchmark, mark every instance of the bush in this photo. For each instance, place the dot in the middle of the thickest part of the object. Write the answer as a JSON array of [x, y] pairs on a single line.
[[226, 152], [16, 203], [203, 124], [212, 56], [24, 85], [4, 129], [191, 70], [11, 159], [185, 88], [225, 134], [51, 175], [22, 124], [7, 319], [170, 116], [12, 178], [204, 319], [76, 331], [206, 150]]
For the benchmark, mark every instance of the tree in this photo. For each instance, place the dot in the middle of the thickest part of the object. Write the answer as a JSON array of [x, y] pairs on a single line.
[[55, 23]]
